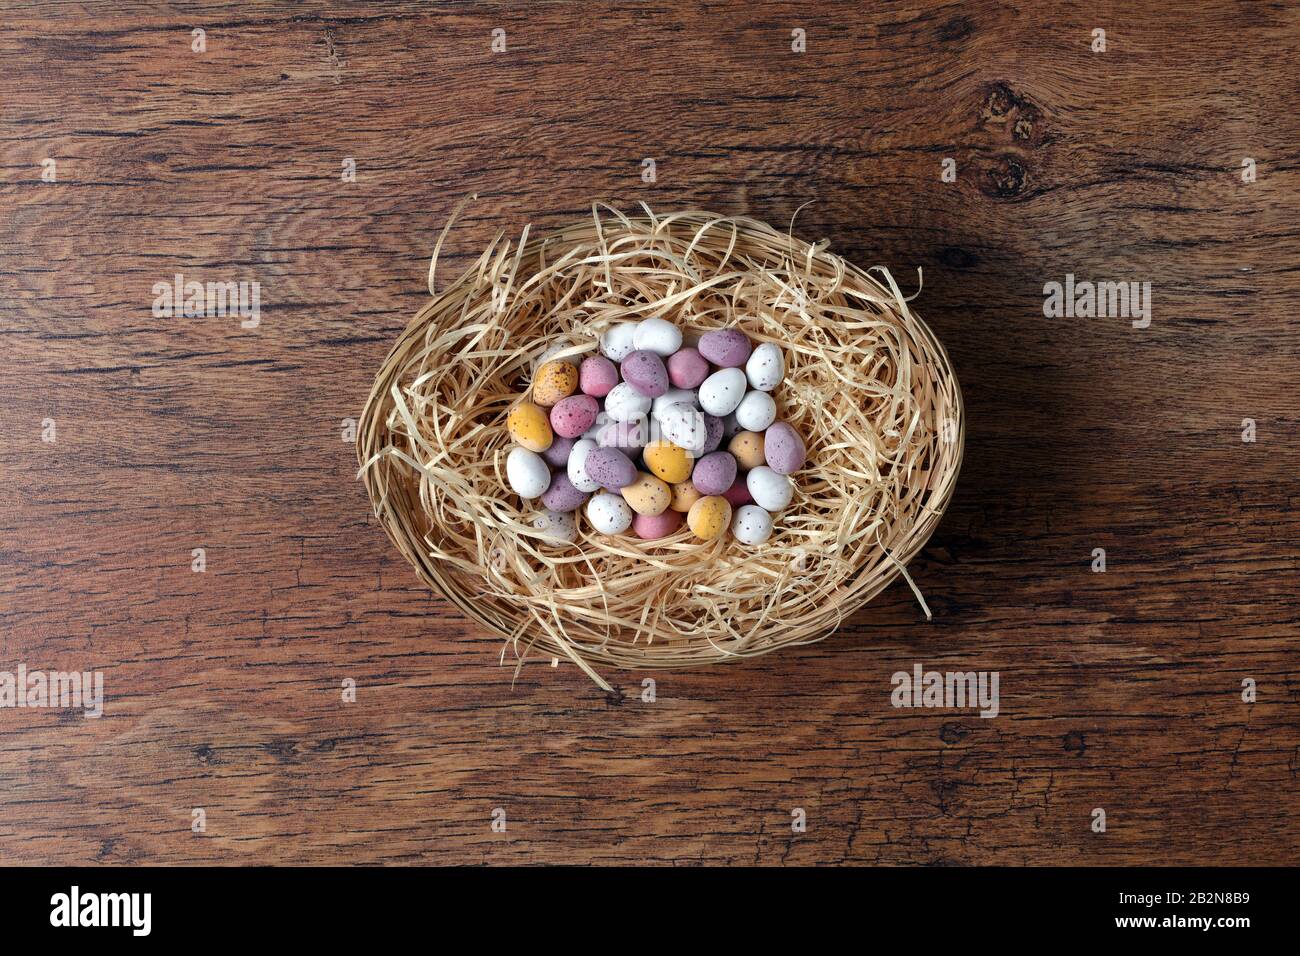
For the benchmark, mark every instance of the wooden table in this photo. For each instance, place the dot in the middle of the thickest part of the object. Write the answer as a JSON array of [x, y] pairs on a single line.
[[1120, 690]]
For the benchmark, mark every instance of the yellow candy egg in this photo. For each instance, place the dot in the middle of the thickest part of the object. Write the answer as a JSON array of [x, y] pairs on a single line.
[[709, 517], [684, 495], [555, 380], [670, 462], [647, 495], [530, 427], [747, 449]]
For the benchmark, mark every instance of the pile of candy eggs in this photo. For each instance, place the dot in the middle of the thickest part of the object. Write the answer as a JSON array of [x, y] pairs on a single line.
[[635, 434]]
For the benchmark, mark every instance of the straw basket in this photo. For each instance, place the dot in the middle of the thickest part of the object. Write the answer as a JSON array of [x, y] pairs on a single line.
[[867, 385]]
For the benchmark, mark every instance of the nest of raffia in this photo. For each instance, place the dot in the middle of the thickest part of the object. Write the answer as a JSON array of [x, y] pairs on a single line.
[[867, 385]]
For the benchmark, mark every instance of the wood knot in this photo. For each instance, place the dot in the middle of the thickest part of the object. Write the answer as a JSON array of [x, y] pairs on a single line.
[[1007, 178]]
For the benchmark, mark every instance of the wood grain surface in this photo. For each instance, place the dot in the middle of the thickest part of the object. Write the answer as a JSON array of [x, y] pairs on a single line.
[[1120, 690]]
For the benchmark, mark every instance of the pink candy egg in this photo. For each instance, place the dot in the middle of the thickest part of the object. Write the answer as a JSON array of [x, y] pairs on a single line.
[[596, 376], [687, 368], [574, 415], [651, 527]]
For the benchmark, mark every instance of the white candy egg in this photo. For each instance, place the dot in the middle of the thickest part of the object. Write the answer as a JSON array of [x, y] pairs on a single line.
[[751, 525], [756, 411], [657, 335], [577, 467], [556, 525], [527, 473], [616, 343], [624, 403], [684, 426], [674, 396], [766, 367], [722, 391], [770, 491], [609, 514]]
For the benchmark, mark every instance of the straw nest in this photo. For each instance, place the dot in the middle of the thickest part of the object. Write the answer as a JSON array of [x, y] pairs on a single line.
[[867, 384]]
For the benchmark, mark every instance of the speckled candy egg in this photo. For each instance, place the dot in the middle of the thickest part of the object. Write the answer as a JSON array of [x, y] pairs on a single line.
[[685, 494], [653, 527], [577, 467], [738, 494], [748, 449], [714, 473], [687, 368], [628, 436], [751, 525], [609, 514], [557, 456], [725, 348], [766, 367], [527, 473], [770, 491], [624, 403], [674, 396], [685, 426], [617, 342], [657, 335], [709, 517], [596, 376], [574, 415], [722, 391], [712, 433], [783, 449], [529, 426], [756, 411], [647, 495], [610, 467], [561, 495], [670, 462], [555, 380], [644, 371], [556, 526]]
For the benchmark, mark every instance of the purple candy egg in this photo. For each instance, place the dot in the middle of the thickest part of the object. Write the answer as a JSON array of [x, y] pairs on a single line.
[[783, 448], [557, 456], [561, 495], [725, 348], [574, 415], [610, 467], [714, 473], [628, 436], [738, 494], [596, 376], [645, 372], [712, 433], [687, 368]]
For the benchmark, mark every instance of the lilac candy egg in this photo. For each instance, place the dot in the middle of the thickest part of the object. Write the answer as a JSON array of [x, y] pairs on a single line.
[[725, 348], [645, 372], [596, 376], [712, 433], [557, 456], [687, 368], [610, 467], [783, 448], [714, 473], [574, 415], [627, 436], [561, 495]]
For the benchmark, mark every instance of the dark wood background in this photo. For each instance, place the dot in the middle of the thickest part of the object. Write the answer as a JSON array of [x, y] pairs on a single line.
[[1119, 690]]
